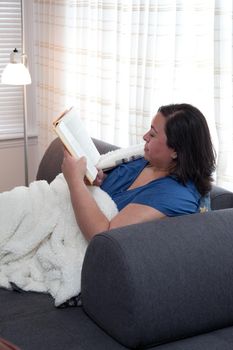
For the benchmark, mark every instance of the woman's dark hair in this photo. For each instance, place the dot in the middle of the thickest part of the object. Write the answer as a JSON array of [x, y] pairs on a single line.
[[188, 134]]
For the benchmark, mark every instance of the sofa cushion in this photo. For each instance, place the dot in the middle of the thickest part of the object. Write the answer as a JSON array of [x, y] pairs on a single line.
[[160, 281], [31, 321]]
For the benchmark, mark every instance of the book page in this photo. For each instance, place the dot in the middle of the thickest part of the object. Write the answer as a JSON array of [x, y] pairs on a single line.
[[77, 128], [75, 149], [71, 130]]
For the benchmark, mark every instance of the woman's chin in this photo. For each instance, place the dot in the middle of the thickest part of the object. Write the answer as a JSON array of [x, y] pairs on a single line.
[[145, 155]]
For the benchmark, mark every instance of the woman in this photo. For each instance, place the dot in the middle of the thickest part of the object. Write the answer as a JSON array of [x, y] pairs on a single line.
[[170, 180]]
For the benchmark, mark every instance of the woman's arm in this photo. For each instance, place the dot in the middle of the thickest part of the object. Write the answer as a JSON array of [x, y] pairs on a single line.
[[89, 217]]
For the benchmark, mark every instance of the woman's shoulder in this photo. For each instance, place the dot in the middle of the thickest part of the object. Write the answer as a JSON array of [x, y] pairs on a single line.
[[170, 197], [170, 189]]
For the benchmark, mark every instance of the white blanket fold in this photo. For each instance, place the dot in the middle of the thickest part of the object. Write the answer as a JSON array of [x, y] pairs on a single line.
[[41, 245]]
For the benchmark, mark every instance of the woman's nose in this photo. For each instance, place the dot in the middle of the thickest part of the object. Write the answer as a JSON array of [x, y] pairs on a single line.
[[145, 137]]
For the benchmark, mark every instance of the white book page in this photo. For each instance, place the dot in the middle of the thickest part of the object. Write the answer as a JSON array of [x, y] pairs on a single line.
[[73, 128], [77, 128], [77, 151]]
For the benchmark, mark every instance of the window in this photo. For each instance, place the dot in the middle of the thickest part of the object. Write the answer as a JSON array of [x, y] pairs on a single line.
[[11, 97]]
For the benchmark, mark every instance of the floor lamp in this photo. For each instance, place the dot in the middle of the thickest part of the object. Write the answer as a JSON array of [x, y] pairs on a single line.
[[16, 73]]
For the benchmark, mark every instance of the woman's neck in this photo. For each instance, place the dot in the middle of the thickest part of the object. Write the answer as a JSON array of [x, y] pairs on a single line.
[[161, 170], [148, 174], [158, 172]]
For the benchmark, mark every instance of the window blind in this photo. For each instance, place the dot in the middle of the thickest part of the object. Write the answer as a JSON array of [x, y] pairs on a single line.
[[11, 97]]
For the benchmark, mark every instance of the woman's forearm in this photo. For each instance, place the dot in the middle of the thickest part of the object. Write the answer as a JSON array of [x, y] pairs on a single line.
[[89, 217]]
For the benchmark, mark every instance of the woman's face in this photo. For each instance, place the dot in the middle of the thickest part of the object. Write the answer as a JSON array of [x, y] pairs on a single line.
[[156, 150]]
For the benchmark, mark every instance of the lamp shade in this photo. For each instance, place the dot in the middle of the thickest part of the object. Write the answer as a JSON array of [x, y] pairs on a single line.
[[16, 74]]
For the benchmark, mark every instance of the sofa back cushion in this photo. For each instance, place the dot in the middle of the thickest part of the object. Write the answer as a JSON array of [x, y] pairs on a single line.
[[220, 198], [160, 281], [50, 165]]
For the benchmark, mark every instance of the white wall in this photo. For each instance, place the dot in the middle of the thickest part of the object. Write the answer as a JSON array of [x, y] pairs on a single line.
[[12, 162]]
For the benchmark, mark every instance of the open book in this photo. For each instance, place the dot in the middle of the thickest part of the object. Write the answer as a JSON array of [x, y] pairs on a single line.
[[72, 132]]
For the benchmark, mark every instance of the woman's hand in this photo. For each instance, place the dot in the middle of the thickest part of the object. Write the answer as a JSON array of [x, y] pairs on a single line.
[[99, 178], [73, 169]]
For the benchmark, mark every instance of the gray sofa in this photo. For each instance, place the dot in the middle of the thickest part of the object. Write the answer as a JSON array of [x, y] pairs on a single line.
[[163, 285]]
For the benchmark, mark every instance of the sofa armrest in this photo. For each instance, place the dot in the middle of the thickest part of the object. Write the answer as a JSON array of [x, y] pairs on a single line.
[[50, 165], [163, 280]]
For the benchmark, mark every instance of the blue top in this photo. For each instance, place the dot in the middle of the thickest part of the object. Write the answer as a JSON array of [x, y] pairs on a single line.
[[165, 194]]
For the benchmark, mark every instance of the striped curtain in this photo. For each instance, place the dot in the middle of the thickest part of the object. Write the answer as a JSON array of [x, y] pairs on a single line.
[[118, 61]]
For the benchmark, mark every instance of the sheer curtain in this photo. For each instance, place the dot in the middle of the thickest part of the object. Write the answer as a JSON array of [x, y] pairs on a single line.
[[118, 61], [223, 94]]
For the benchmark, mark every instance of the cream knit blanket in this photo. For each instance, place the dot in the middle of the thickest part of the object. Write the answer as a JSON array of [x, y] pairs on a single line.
[[41, 245]]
